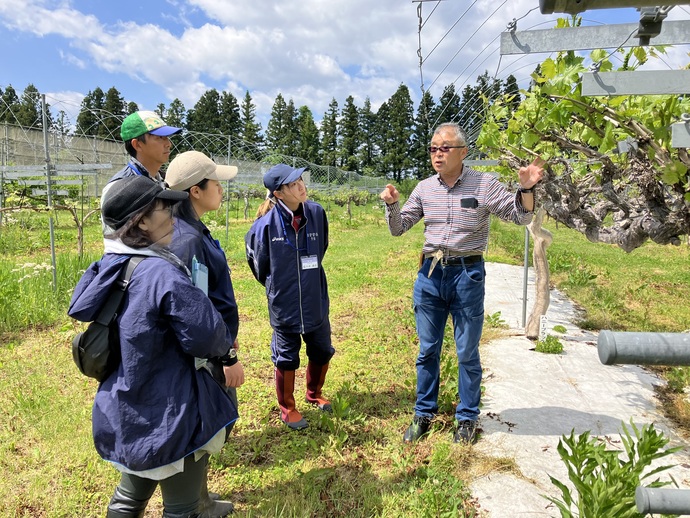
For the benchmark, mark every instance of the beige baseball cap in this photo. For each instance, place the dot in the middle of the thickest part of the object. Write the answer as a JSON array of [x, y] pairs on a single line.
[[191, 167]]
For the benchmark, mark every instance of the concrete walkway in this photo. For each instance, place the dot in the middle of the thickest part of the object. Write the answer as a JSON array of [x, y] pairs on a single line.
[[532, 399]]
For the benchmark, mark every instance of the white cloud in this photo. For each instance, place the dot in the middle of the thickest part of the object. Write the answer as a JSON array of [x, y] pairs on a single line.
[[309, 51]]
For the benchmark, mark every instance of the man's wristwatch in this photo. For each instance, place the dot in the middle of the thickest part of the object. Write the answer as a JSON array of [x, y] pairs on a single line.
[[522, 189], [229, 359]]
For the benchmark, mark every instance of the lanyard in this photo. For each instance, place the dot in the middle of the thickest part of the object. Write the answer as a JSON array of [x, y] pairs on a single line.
[[134, 167]]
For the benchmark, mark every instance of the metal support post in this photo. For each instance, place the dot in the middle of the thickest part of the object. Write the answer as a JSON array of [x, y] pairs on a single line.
[[525, 279], [49, 171]]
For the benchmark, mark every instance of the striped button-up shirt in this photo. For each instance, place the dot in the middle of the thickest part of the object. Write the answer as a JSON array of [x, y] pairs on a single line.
[[456, 218]]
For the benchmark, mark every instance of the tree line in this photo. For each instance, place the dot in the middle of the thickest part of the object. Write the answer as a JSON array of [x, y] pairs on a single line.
[[389, 142]]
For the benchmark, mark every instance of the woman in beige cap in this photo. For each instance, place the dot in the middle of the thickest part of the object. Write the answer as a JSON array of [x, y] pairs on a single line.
[[192, 242]]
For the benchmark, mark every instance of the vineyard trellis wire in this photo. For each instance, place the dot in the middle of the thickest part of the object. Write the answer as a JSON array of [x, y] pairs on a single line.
[[23, 158], [51, 169]]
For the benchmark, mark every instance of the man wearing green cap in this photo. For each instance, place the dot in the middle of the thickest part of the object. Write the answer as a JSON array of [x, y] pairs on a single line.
[[147, 140]]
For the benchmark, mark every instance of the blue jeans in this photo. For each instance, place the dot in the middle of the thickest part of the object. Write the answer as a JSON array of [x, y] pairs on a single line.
[[458, 291]]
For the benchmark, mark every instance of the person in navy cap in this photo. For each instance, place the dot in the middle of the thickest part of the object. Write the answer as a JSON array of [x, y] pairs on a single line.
[[285, 247]]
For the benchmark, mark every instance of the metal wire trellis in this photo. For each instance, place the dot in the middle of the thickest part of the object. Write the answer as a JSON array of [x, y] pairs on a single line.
[[23, 157]]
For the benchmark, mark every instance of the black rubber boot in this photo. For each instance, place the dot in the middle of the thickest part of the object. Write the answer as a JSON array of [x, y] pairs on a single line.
[[210, 507], [216, 509], [122, 506]]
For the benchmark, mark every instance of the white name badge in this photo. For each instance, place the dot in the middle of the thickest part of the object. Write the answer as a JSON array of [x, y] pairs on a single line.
[[310, 262]]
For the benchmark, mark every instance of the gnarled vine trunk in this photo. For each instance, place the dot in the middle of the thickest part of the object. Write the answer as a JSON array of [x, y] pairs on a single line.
[[542, 239]]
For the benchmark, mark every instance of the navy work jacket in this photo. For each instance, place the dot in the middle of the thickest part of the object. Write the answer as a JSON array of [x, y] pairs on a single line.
[[282, 259], [156, 408], [193, 239]]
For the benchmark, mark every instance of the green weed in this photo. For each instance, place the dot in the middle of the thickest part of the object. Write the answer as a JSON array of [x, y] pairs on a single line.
[[580, 276], [678, 378], [604, 482], [495, 321], [549, 345]]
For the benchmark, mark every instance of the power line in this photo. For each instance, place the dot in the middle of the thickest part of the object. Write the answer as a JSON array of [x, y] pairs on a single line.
[[468, 39], [451, 28]]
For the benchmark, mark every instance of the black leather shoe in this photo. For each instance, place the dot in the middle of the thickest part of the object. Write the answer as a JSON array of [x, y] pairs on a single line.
[[419, 426], [466, 432]]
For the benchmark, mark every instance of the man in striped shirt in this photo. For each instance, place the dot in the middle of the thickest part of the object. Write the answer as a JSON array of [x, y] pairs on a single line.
[[456, 205]]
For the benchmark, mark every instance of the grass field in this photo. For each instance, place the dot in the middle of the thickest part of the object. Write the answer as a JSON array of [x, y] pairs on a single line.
[[352, 463]]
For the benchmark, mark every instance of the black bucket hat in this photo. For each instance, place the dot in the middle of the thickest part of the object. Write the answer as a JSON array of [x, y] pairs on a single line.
[[129, 195]]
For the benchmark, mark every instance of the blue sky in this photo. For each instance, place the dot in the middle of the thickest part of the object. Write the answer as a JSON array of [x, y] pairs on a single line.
[[310, 51]]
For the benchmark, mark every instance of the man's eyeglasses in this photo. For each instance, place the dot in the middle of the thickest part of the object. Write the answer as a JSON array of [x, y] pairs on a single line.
[[442, 149]]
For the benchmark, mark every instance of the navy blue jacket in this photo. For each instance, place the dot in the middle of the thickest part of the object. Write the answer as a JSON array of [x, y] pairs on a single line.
[[156, 408], [297, 298], [192, 238], [133, 168]]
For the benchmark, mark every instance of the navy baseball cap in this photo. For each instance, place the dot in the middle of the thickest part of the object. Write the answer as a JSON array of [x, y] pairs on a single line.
[[281, 174]]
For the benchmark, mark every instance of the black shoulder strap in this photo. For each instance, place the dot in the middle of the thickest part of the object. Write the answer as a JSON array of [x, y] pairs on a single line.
[[115, 298]]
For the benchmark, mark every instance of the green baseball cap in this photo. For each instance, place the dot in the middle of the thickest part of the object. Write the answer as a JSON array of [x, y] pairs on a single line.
[[138, 123]]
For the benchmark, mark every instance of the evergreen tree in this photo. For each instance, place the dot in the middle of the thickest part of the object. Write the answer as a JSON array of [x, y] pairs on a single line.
[[114, 110], [9, 106], [132, 107], [329, 135], [350, 136], [421, 138], [277, 125], [176, 114], [368, 150], [29, 113], [308, 144], [62, 124], [290, 140], [90, 114], [250, 131], [205, 117], [398, 133], [468, 107], [205, 120], [381, 135], [475, 101], [511, 88], [230, 125], [448, 107]]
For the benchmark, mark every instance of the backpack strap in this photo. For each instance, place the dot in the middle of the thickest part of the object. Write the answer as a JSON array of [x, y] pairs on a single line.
[[112, 304]]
